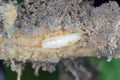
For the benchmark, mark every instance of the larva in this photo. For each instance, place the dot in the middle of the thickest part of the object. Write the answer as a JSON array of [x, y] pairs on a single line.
[[61, 41]]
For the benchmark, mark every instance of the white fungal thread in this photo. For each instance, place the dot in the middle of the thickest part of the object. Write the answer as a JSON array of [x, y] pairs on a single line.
[[61, 41], [109, 59]]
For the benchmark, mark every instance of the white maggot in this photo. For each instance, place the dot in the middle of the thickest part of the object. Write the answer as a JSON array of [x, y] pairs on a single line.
[[61, 41]]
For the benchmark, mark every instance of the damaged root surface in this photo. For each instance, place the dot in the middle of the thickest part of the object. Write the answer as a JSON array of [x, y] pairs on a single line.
[[24, 47]]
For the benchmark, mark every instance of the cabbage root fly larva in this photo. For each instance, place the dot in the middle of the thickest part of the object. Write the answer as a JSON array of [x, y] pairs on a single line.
[[61, 41]]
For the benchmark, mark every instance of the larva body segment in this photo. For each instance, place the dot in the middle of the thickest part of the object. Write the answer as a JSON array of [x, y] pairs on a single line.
[[61, 41]]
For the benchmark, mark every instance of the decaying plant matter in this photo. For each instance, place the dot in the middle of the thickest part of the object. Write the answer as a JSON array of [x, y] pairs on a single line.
[[24, 27]]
